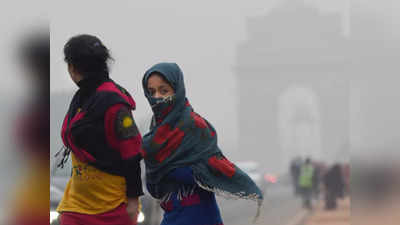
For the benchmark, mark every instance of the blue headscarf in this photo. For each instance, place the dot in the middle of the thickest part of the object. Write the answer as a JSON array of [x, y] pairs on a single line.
[[182, 138]]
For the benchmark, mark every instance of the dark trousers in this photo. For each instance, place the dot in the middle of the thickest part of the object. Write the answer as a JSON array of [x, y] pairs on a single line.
[[306, 194], [330, 200]]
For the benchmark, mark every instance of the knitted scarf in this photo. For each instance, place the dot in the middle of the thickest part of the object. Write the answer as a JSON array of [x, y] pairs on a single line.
[[182, 138]]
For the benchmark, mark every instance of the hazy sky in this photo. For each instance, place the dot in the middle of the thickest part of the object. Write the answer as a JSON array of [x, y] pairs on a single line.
[[201, 36]]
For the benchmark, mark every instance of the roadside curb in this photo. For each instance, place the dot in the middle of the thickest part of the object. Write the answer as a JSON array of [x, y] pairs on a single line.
[[321, 216], [300, 217]]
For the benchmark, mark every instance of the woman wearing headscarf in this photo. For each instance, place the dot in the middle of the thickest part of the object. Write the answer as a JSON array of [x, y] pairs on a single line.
[[184, 165], [100, 134]]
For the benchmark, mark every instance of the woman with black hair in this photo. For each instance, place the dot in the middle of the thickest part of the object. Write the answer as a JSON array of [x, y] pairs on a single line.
[[100, 134]]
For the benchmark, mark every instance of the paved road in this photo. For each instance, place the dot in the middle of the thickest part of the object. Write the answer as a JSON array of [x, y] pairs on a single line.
[[280, 207]]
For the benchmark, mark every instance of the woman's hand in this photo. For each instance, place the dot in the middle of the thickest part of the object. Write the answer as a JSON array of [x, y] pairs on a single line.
[[133, 208]]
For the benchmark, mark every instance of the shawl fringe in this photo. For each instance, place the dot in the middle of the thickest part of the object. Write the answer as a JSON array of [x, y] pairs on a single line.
[[187, 191], [235, 196]]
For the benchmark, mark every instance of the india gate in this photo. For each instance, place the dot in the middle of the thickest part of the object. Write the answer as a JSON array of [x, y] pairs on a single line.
[[298, 77]]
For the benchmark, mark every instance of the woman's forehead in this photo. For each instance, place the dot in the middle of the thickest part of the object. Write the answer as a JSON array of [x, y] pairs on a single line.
[[158, 79]]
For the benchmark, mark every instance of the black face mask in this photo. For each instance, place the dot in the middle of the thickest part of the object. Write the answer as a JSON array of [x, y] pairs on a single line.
[[160, 105]]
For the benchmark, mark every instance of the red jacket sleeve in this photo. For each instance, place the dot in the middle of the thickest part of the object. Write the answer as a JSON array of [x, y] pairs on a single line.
[[123, 136]]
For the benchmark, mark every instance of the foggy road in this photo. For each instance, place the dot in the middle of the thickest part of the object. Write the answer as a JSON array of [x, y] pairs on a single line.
[[280, 207]]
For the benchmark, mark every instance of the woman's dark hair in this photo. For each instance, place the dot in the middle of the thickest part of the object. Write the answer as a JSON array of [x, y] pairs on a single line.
[[87, 54]]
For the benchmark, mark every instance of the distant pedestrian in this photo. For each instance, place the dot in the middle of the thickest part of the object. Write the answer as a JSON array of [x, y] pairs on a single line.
[[306, 183], [334, 186], [316, 179], [295, 166]]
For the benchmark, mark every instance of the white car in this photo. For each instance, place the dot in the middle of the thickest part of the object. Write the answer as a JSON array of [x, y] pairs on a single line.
[[256, 173]]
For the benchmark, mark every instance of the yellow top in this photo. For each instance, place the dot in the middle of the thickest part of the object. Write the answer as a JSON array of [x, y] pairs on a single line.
[[91, 191]]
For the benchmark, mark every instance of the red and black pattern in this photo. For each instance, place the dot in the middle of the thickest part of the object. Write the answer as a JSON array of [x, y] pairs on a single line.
[[126, 140], [94, 132], [222, 165], [171, 139], [182, 138], [198, 120]]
